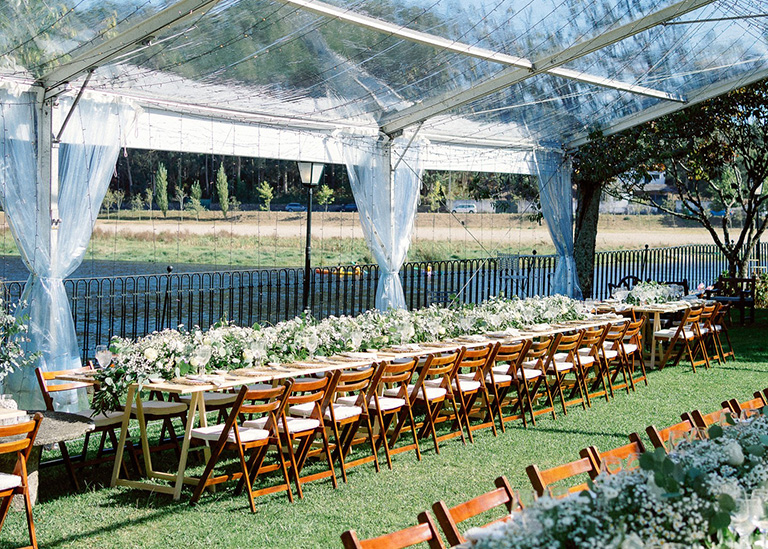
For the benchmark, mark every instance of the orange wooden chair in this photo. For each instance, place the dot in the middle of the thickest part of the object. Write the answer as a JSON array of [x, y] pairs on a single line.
[[612, 358], [432, 396], [424, 532], [631, 347], [300, 431], [561, 362], [705, 421], [503, 377], [635, 448], [686, 337], [660, 438], [588, 357], [737, 407], [105, 423], [470, 382], [17, 483], [708, 333], [250, 443], [542, 481], [395, 379], [450, 518], [349, 411], [532, 370], [720, 329]]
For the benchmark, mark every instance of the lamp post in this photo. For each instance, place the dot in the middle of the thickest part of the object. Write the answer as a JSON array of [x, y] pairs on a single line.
[[310, 173]]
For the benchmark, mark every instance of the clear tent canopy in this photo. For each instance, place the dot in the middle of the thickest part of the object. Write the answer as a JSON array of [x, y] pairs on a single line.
[[385, 86]]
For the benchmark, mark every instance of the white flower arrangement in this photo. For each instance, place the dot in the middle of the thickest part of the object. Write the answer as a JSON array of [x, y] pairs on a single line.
[[686, 499], [645, 293], [171, 353], [12, 337]]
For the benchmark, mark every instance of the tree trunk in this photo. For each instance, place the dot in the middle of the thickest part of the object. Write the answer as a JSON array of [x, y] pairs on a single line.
[[585, 233]]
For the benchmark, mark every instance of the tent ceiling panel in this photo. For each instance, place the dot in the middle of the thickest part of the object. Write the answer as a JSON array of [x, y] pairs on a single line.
[[253, 60]]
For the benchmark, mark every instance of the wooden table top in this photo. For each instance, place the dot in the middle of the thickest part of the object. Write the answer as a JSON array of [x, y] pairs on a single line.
[[266, 373]]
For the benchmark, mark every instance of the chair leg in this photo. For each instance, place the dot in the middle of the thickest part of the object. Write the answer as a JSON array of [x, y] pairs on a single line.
[[69, 467], [324, 436], [335, 428]]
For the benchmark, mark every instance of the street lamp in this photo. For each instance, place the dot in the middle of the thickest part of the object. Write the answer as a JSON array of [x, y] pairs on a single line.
[[310, 173]]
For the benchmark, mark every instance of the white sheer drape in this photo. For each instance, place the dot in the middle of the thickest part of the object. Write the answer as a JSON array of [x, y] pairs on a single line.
[[386, 201], [554, 173], [87, 158]]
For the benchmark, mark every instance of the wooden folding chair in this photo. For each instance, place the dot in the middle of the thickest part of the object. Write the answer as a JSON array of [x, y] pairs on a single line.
[[588, 357], [105, 423], [634, 448], [470, 382], [542, 481], [450, 518], [660, 438], [250, 443], [687, 337], [300, 432], [561, 362], [707, 331], [532, 370], [631, 350], [705, 421], [17, 483], [432, 396], [612, 358], [720, 328], [348, 412], [503, 377], [394, 401], [738, 408], [424, 532]]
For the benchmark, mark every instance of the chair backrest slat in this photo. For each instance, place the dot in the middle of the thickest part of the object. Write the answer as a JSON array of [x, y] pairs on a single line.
[[424, 532]]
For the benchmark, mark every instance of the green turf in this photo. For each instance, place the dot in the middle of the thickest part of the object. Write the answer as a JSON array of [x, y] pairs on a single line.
[[377, 503]]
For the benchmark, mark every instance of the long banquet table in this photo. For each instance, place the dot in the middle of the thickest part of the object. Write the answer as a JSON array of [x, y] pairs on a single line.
[[268, 374]]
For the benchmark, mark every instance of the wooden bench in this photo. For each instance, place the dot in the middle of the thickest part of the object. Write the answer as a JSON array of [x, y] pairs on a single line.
[[738, 292]]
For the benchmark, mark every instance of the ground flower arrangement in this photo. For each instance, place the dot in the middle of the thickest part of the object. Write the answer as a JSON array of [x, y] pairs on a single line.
[[706, 493], [224, 346]]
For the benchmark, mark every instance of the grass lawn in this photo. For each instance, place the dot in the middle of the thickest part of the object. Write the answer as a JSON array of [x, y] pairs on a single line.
[[377, 503]]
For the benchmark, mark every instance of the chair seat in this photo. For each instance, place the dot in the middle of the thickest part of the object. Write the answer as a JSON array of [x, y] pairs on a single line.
[[560, 367], [212, 399], [341, 411], [530, 373], [630, 348], [585, 359], [467, 385], [669, 333], [9, 482], [499, 377], [103, 419], [433, 393], [161, 408], [213, 432], [385, 403], [295, 424]]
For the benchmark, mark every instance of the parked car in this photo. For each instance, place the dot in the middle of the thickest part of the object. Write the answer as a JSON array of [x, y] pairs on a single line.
[[468, 208], [350, 207], [295, 207]]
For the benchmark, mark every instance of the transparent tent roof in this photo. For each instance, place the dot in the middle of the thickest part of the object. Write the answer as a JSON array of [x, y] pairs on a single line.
[[493, 72]]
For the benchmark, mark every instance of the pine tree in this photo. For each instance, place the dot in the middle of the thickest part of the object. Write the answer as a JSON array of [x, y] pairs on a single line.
[[161, 188], [222, 189]]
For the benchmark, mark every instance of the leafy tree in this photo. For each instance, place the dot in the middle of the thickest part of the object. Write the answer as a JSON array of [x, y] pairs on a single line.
[[109, 201], [716, 150], [222, 189], [435, 197], [195, 196], [137, 204], [149, 198], [119, 196], [264, 192], [324, 196], [161, 188], [180, 196]]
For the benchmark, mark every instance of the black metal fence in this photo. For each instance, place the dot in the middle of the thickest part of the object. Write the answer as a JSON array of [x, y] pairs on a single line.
[[132, 306]]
